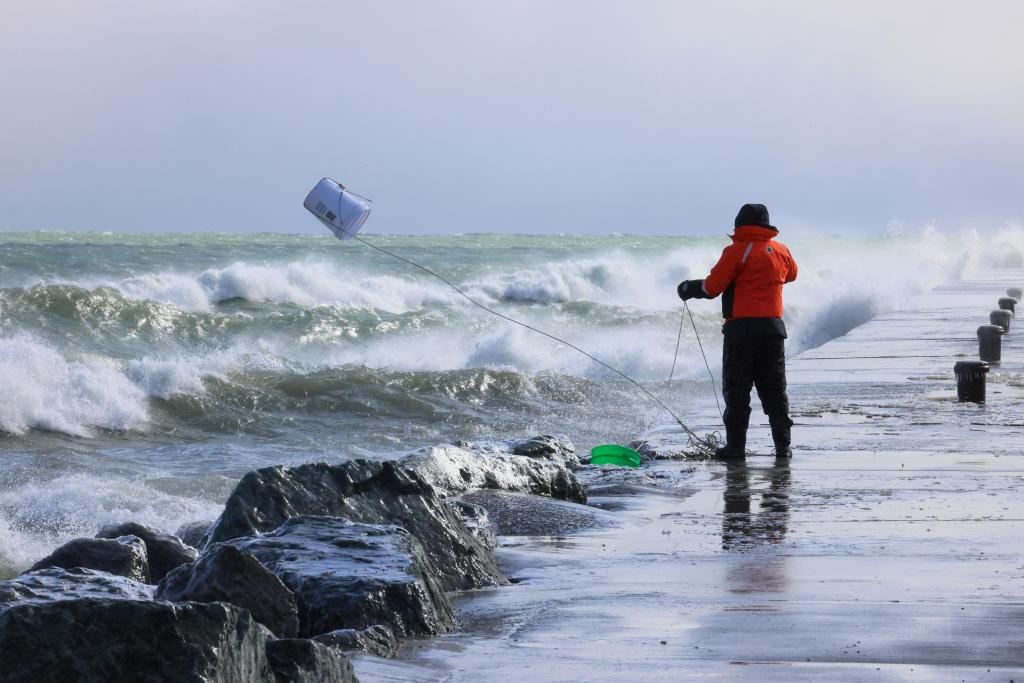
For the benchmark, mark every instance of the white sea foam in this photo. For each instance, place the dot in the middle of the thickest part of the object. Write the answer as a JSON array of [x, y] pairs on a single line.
[[37, 516], [182, 291], [167, 377], [1003, 249], [40, 389], [301, 283]]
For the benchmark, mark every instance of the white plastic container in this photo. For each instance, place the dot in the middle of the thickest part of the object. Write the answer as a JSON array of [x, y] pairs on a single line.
[[337, 208]]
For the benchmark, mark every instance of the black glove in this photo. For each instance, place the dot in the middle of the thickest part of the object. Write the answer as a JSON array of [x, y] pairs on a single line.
[[691, 289]]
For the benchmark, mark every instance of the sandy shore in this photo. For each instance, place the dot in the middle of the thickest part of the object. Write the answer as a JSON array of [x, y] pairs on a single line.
[[889, 549]]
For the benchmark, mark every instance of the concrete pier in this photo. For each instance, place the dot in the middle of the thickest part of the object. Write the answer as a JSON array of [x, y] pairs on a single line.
[[890, 548]]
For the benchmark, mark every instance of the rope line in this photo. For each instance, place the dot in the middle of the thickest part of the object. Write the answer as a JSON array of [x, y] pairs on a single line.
[[714, 388], [703, 445], [675, 355]]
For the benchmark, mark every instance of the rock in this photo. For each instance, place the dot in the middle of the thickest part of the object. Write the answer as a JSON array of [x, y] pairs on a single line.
[[364, 491], [557, 448], [378, 640], [520, 514], [165, 552], [128, 640], [57, 583], [226, 574], [191, 533], [350, 575], [456, 469], [478, 522], [124, 556], [294, 660]]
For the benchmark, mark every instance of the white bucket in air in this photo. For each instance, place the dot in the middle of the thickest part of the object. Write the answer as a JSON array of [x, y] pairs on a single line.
[[337, 208]]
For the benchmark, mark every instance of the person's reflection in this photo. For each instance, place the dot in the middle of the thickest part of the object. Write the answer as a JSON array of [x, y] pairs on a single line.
[[740, 528], [756, 572]]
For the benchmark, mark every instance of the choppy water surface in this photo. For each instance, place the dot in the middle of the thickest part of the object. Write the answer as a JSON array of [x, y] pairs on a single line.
[[141, 374]]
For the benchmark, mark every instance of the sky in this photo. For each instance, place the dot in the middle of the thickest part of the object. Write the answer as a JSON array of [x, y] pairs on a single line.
[[525, 116]]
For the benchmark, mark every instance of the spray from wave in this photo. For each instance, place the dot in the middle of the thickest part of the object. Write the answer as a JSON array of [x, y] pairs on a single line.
[[41, 389], [38, 515]]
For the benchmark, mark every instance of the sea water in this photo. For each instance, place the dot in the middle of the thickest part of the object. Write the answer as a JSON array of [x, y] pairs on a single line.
[[141, 375]]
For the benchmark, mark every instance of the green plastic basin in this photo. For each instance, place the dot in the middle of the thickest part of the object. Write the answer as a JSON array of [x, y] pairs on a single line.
[[610, 454]]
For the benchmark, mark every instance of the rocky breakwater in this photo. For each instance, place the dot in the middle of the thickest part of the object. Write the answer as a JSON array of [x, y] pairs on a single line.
[[79, 624], [542, 466], [368, 492], [345, 556], [347, 575], [366, 544]]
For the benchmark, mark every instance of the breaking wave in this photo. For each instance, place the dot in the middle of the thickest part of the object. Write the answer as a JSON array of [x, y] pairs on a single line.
[[90, 352], [41, 389], [300, 283]]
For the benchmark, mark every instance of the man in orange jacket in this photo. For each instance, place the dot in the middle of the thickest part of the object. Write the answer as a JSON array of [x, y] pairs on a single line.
[[749, 276]]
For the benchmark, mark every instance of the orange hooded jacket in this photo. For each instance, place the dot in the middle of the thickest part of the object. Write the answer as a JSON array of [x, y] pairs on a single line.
[[750, 274]]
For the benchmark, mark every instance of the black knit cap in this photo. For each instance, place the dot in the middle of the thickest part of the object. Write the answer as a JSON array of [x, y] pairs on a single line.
[[753, 214]]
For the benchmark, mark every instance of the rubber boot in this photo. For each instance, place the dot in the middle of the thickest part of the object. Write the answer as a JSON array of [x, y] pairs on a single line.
[[781, 434], [735, 446], [736, 421]]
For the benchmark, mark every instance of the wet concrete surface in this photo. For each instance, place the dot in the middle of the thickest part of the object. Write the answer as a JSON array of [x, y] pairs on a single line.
[[522, 514], [888, 549]]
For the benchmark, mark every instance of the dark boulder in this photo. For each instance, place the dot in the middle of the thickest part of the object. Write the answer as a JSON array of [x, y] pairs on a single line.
[[165, 551], [227, 574], [124, 556], [191, 533], [530, 466], [378, 640], [57, 583], [294, 660], [548, 447], [364, 491], [349, 575], [126, 640]]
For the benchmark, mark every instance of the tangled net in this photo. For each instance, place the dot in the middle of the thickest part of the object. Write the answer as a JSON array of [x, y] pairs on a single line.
[[701, 446]]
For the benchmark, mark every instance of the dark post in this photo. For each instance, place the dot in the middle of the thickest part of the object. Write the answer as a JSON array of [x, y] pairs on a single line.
[[970, 380], [1016, 292], [990, 343], [1001, 318], [1007, 303]]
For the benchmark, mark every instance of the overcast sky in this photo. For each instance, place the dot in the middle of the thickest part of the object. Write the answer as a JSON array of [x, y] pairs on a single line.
[[514, 116]]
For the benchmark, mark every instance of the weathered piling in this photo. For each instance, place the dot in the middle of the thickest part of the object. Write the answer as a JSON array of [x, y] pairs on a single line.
[[1016, 292], [970, 380], [1002, 318], [990, 343], [1008, 303]]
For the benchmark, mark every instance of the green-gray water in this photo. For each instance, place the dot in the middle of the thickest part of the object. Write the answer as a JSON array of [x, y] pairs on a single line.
[[140, 375]]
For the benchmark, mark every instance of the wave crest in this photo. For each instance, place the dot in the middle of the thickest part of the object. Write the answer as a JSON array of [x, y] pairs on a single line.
[[40, 389], [298, 283]]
